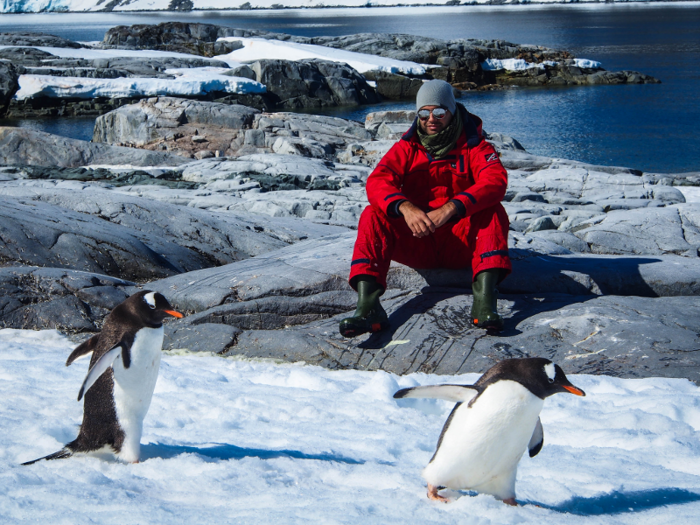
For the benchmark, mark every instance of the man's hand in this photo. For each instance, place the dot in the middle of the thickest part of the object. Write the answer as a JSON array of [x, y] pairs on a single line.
[[443, 214], [418, 221]]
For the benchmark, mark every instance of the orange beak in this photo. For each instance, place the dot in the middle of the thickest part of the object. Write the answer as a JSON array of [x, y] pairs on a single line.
[[574, 390], [174, 313]]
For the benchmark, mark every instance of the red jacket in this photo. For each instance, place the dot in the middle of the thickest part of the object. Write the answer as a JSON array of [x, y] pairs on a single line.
[[471, 174]]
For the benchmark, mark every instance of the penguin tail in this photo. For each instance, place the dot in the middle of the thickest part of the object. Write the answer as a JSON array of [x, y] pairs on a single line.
[[61, 454]]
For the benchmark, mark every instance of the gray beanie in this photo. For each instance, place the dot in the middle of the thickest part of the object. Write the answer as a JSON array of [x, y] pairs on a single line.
[[436, 93]]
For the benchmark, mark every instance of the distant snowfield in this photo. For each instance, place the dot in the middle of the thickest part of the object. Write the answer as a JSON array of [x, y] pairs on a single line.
[[35, 6], [231, 441], [188, 82], [260, 48]]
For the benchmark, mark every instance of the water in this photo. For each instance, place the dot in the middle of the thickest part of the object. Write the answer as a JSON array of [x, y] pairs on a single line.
[[649, 127]]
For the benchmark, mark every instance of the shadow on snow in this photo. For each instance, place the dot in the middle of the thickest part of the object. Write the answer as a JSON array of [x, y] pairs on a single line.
[[621, 503], [225, 452]]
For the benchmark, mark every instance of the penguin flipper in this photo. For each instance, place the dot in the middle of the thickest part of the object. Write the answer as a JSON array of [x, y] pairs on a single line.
[[83, 349], [102, 364], [61, 454], [537, 440], [456, 393]]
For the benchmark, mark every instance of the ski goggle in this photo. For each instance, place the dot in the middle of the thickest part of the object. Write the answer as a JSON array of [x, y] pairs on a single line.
[[438, 113]]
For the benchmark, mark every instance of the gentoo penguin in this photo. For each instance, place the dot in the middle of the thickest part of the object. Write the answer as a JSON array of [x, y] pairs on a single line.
[[494, 421], [121, 379]]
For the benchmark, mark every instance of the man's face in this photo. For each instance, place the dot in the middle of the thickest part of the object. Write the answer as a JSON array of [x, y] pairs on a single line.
[[432, 125]]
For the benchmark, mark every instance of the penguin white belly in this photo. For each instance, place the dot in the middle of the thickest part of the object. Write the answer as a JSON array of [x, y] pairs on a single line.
[[133, 388], [482, 445]]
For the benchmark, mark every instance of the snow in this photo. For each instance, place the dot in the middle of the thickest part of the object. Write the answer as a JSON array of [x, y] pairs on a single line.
[[240, 441], [519, 64], [260, 48], [89, 53], [195, 81], [691, 193]]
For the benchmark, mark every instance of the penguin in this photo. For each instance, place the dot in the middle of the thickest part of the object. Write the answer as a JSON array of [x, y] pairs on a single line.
[[120, 380], [494, 421]]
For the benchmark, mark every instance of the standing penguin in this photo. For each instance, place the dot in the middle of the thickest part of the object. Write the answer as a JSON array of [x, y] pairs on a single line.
[[494, 421], [121, 379]]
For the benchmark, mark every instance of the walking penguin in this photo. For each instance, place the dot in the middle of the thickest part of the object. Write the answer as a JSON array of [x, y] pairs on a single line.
[[494, 421], [121, 378]]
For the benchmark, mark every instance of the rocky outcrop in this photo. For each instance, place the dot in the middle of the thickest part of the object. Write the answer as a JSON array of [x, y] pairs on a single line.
[[565, 75], [181, 37], [204, 130], [605, 258], [36, 39], [308, 84], [68, 300], [8, 84], [394, 86], [460, 61], [24, 146]]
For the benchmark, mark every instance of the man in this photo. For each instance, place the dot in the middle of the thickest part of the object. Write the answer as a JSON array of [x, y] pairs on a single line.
[[434, 203]]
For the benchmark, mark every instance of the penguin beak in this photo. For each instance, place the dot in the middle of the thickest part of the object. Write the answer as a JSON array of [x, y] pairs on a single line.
[[174, 313], [574, 390]]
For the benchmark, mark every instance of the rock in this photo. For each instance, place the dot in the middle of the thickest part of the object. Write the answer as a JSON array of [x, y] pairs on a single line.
[[52, 298], [650, 231], [166, 123], [24, 146], [187, 237], [196, 39], [429, 327], [373, 121], [619, 336], [41, 234], [8, 84], [394, 86], [307, 84], [28, 39]]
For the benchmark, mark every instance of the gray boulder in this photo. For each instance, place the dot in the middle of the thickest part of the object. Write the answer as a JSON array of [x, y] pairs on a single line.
[[8, 84], [24, 146], [394, 86], [307, 84], [667, 230], [172, 122], [67, 300], [188, 127]]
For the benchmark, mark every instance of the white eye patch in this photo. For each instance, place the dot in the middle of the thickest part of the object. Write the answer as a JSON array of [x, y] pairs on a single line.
[[150, 299], [550, 371]]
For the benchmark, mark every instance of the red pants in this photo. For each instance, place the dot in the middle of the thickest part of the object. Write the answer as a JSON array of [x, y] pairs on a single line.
[[480, 240]]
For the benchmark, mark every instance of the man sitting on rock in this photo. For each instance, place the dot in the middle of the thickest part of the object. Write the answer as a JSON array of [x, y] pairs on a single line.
[[434, 203]]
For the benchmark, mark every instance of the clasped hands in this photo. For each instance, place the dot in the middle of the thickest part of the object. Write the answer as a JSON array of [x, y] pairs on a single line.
[[423, 224]]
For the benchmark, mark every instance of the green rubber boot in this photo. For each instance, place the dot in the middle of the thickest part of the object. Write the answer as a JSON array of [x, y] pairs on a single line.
[[485, 306], [369, 316]]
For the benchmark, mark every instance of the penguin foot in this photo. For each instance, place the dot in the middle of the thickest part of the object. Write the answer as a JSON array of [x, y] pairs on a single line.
[[511, 501], [433, 494]]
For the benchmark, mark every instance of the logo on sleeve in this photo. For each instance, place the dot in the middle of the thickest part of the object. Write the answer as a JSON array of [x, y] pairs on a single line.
[[490, 157]]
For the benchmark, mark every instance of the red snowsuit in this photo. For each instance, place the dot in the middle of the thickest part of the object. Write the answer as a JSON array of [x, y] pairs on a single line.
[[471, 175]]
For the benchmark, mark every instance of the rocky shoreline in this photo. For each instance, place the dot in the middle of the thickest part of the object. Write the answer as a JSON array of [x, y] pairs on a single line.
[[290, 85], [243, 216]]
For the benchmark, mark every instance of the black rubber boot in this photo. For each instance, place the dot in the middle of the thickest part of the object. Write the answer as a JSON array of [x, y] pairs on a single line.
[[484, 312], [369, 316]]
